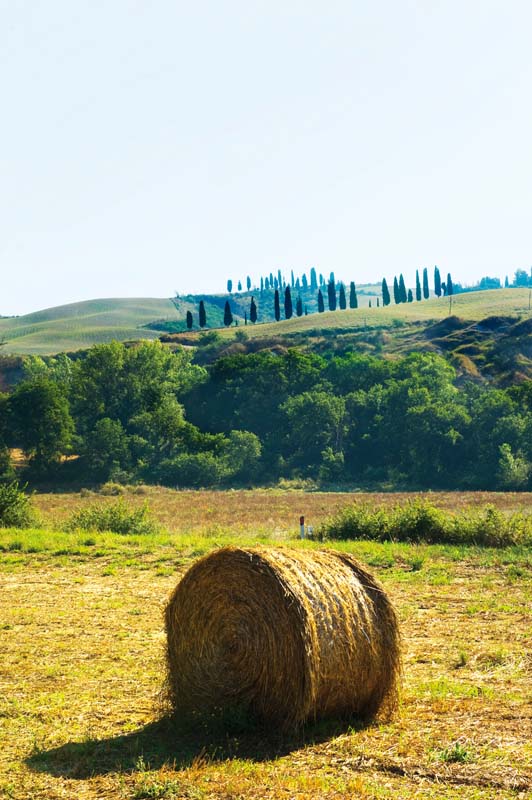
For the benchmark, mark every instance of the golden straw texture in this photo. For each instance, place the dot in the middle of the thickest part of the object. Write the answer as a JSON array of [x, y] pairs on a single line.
[[291, 635]]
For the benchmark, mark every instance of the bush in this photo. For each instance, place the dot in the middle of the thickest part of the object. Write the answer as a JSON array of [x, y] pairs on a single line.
[[193, 470], [15, 507], [418, 521], [114, 517]]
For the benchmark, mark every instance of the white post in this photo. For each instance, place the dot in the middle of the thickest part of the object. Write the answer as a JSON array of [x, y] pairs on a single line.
[[301, 527]]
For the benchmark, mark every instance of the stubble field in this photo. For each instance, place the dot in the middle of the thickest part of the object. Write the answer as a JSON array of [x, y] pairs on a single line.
[[82, 663]]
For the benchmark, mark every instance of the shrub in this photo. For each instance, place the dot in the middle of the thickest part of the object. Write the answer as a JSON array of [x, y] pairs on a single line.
[[15, 507], [194, 470], [114, 517], [418, 521]]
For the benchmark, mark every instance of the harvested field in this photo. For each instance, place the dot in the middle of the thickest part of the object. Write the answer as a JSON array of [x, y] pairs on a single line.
[[82, 663]]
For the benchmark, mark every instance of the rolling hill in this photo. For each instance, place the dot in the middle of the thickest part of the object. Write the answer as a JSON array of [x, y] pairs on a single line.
[[80, 325]]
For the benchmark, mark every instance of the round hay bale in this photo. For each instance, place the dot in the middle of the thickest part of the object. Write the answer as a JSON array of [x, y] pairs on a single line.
[[291, 635]]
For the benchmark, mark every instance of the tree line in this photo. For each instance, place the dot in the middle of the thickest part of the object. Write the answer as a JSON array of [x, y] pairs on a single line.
[[146, 413], [337, 297]]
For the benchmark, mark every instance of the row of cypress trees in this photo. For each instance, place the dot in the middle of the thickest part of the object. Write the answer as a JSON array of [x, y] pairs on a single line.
[[400, 295]]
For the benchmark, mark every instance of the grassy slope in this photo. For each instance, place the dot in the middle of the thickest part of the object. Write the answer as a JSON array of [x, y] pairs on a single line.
[[79, 325], [471, 305], [82, 662]]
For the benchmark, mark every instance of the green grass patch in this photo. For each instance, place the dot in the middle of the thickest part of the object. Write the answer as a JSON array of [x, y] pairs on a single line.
[[419, 521]]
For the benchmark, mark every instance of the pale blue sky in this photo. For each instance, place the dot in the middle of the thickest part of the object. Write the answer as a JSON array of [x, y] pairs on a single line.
[[154, 147]]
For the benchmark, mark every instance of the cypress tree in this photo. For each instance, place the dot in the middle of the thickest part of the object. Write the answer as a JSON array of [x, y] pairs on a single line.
[[369, 303], [262, 284], [271, 280], [248, 282], [229, 285], [313, 280], [306, 311], [506, 282], [437, 282], [239, 286], [276, 306], [322, 281], [331, 295], [342, 302], [353, 299], [299, 306], [279, 279], [228, 316], [276, 283], [385, 293], [190, 321], [402, 289], [321, 304], [298, 284], [202, 314], [331, 278], [288, 310], [410, 296], [425, 284], [304, 282], [253, 311], [245, 317], [292, 282], [267, 284], [418, 286], [444, 288], [396, 295], [449, 285], [377, 302]]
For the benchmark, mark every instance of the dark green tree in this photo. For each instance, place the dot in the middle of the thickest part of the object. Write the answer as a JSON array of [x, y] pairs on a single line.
[[353, 299], [190, 321], [385, 293], [313, 280], [396, 295], [342, 302], [276, 306], [506, 282], [304, 282], [292, 281], [228, 316], [288, 310], [425, 284], [299, 306], [253, 311], [248, 283], [331, 295], [402, 289], [449, 285], [229, 285], [418, 286], [410, 296], [202, 315], [239, 286], [437, 282], [262, 284], [41, 422], [321, 304]]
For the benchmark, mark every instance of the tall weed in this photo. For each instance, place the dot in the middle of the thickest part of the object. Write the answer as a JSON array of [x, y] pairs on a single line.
[[419, 521]]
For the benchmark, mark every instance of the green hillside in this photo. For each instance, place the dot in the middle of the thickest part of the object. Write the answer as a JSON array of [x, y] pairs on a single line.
[[79, 325]]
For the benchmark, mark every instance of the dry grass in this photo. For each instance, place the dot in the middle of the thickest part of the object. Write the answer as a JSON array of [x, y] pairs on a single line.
[[82, 660], [289, 635], [274, 511]]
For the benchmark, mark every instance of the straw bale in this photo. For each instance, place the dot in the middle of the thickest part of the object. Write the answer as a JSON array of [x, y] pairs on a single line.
[[291, 635]]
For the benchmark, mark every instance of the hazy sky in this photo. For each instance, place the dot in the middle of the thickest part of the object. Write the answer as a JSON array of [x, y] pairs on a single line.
[[152, 147]]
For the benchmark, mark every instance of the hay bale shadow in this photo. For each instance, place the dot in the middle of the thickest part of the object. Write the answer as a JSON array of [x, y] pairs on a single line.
[[181, 743]]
